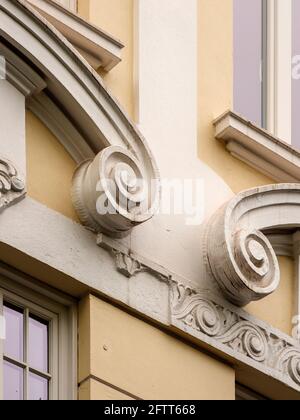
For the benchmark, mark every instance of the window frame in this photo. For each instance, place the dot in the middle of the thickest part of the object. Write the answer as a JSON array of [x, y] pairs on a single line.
[[52, 319], [276, 68], [261, 70], [61, 312], [278, 86]]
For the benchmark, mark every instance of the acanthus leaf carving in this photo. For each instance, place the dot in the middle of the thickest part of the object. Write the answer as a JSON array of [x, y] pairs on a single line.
[[12, 186], [246, 338], [199, 313], [205, 317]]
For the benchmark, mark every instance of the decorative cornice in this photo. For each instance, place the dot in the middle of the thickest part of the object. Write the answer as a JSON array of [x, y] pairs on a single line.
[[236, 333], [99, 48], [123, 177], [12, 186], [238, 252], [258, 148]]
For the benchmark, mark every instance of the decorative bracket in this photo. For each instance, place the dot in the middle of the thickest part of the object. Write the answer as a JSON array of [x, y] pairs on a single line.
[[12, 186], [115, 191], [238, 252]]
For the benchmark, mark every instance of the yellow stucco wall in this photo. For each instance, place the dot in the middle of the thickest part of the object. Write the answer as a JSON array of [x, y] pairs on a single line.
[[118, 349], [277, 309], [49, 168]]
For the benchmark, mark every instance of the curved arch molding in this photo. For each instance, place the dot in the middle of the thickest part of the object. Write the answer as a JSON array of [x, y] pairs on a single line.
[[238, 251], [70, 98]]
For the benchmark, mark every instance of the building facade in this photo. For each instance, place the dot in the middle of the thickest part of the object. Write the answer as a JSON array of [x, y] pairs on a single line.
[[149, 199]]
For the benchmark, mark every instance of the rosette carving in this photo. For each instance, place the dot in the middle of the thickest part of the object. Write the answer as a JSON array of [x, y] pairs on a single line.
[[12, 186], [238, 251], [115, 192]]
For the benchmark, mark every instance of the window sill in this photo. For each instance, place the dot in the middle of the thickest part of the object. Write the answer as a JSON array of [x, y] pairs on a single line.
[[99, 48], [258, 148]]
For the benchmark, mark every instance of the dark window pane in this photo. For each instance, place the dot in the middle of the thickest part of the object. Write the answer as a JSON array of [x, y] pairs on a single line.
[[38, 344], [296, 75], [13, 344], [13, 382], [248, 52], [38, 388]]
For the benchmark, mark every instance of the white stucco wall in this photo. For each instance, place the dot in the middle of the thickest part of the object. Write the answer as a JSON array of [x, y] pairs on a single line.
[[167, 114]]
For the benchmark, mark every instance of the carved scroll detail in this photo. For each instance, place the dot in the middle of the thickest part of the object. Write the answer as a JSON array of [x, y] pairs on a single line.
[[198, 314], [114, 192], [238, 252]]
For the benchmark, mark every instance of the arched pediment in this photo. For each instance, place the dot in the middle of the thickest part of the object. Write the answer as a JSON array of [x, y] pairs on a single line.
[[71, 99], [239, 253]]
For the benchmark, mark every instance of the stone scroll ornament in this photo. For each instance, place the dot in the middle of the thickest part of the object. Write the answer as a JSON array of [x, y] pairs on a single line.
[[12, 186], [238, 251], [208, 319], [116, 191]]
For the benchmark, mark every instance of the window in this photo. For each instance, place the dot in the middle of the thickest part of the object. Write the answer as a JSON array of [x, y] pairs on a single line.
[[27, 368], [266, 54], [248, 59], [37, 350]]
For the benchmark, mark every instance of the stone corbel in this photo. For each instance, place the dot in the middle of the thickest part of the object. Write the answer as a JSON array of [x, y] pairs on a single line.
[[116, 191], [239, 254], [12, 186]]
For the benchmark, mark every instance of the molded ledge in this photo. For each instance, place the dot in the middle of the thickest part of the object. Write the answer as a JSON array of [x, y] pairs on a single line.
[[99, 48], [258, 148]]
